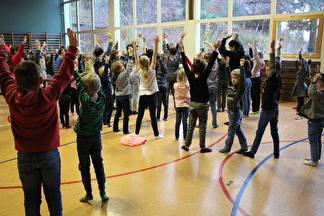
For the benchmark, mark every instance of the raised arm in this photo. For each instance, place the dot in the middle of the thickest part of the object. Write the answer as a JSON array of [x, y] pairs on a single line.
[[136, 60], [156, 43]]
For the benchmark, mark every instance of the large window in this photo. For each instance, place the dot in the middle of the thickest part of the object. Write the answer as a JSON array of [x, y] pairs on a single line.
[[173, 34], [300, 33], [101, 11], [211, 32], [126, 12], [85, 11]]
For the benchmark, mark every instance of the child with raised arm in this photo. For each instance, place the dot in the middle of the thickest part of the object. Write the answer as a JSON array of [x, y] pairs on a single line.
[[236, 88], [270, 111], [33, 112], [88, 127], [148, 87], [199, 96], [313, 110]]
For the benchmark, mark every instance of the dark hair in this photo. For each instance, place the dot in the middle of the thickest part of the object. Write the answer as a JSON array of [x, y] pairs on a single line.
[[27, 75], [13, 49], [198, 65], [98, 51], [234, 43], [247, 57], [247, 66], [207, 56], [322, 77], [129, 45], [113, 54], [149, 53], [173, 50]]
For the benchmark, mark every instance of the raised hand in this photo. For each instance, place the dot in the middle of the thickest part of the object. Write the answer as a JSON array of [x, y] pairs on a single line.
[[217, 44], [72, 38], [37, 44]]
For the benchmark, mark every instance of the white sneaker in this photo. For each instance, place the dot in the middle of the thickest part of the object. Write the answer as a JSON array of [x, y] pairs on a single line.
[[310, 163], [159, 136], [307, 158]]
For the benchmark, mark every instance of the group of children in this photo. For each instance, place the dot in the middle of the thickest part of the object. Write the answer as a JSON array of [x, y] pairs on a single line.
[[29, 102]]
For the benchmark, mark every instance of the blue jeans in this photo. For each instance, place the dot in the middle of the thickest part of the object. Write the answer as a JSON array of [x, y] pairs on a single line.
[[315, 130], [267, 116], [246, 97], [90, 146], [181, 115], [36, 169], [197, 110], [234, 127], [212, 102]]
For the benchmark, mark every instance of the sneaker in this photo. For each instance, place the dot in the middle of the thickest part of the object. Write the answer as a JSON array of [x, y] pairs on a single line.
[[295, 107], [308, 158], [215, 126], [298, 118], [68, 127], [159, 136], [165, 119], [176, 138], [104, 198], [310, 163], [185, 148], [85, 198], [296, 113], [254, 113], [134, 113], [205, 150], [244, 116], [128, 132], [226, 123], [248, 154], [241, 151], [223, 150], [118, 130]]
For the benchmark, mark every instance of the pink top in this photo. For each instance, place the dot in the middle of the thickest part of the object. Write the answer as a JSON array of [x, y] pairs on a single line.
[[182, 94]]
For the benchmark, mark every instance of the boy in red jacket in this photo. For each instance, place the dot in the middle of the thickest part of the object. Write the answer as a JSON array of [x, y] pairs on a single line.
[[35, 127]]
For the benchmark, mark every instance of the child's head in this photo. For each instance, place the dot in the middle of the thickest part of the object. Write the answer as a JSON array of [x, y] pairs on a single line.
[[163, 57], [173, 50], [114, 54], [92, 83], [235, 76], [13, 50], [144, 62], [260, 54], [300, 64], [277, 68], [247, 66], [149, 53], [130, 48], [207, 57], [28, 76], [233, 45], [98, 51], [319, 79], [198, 66], [181, 77], [117, 67]]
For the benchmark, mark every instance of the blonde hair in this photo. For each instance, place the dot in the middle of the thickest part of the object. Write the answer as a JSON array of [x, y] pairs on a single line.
[[101, 70], [181, 77], [116, 66], [235, 72], [93, 81], [144, 61]]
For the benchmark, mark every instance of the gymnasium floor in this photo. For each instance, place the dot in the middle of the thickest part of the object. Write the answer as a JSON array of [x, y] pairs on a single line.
[[160, 179]]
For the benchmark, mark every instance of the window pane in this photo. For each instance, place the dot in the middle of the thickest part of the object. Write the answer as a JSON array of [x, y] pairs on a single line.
[[85, 15], [70, 17], [301, 33], [146, 12], [173, 34], [173, 10], [211, 32], [149, 34], [253, 7], [126, 12], [297, 6], [213, 9], [101, 19], [85, 41], [250, 29]]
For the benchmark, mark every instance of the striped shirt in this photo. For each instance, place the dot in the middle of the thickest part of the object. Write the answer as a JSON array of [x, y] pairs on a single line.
[[91, 112]]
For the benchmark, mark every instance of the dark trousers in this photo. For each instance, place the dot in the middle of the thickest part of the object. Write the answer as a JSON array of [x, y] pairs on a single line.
[[122, 104], [255, 93], [150, 102]]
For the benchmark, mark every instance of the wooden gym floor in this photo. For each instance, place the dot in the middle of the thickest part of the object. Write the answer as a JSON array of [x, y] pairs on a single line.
[[160, 179]]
